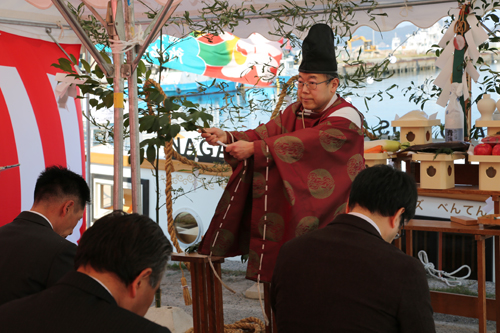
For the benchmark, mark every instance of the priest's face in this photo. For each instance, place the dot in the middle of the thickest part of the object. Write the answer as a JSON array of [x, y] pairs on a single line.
[[316, 90]]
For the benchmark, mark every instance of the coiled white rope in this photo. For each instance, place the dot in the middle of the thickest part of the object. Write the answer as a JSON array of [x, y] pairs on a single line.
[[442, 275], [122, 46]]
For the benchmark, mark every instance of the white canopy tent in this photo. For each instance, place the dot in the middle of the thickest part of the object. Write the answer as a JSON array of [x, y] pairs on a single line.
[[423, 13], [23, 18]]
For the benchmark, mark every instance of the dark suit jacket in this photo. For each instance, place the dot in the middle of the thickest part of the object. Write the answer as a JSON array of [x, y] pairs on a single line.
[[77, 303], [346, 278], [33, 257]]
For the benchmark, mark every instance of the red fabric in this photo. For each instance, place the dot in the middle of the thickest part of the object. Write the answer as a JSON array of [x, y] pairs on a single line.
[[31, 123], [297, 181]]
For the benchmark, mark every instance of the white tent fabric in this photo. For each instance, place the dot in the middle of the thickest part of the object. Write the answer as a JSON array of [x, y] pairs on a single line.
[[422, 13]]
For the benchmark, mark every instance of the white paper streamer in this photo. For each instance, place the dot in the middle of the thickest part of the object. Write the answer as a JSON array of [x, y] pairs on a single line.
[[445, 76], [448, 35], [475, 36], [465, 91], [474, 74], [480, 36], [66, 88], [445, 95], [472, 48], [445, 56]]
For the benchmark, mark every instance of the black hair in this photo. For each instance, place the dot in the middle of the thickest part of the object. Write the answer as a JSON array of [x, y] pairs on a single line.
[[125, 244], [332, 76], [57, 182], [384, 190]]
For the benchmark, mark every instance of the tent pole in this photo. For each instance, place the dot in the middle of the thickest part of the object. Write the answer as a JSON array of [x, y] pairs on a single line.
[[135, 166], [88, 175], [73, 22], [118, 130]]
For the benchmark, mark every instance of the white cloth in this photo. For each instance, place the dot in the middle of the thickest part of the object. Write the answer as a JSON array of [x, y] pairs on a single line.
[[31, 211], [367, 219]]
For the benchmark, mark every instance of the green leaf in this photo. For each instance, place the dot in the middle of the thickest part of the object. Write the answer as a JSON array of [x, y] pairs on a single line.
[[66, 65], [151, 154], [141, 155], [170, 105], [177, 115], [145, 142], [174, 130], [108, 100], [141, 68], [98, 72], [146, 122], [164, 120], [106, 57], [86, 66], [93, 102], [189, 104], [73, 59]]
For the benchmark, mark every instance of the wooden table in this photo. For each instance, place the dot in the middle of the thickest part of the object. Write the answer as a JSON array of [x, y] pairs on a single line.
[[208, 312], [461, 305]]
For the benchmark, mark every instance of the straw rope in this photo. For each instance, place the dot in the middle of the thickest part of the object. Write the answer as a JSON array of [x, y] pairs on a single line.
[[247, 325], [219, 168], [169, 168], [283, 95]]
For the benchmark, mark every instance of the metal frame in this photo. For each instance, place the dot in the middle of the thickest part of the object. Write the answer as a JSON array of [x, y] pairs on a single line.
[[120, 30]]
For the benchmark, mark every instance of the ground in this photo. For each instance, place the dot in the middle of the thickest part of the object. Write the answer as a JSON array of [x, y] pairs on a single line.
[[237, 306]]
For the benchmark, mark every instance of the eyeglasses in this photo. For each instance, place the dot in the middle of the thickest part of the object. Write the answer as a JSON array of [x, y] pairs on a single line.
[[401, 232], [310, 85]]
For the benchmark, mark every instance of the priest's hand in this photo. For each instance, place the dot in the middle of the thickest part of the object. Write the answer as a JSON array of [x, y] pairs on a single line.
[[241, 150], [212, 135]]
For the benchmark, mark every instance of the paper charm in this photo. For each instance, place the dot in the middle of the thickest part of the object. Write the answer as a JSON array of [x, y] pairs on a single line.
[[472, 39], [66, 88]]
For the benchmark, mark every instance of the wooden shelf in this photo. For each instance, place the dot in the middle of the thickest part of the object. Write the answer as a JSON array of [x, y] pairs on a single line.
[[452, 227], [459, 189]]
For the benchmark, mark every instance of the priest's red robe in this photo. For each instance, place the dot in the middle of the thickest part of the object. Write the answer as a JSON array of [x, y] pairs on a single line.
[[298, 180]]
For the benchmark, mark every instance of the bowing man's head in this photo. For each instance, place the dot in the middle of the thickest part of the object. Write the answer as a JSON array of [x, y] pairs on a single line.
[[385, 194], [128, 253]]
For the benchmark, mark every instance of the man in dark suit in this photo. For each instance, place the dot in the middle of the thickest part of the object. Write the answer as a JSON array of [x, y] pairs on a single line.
[[119, 265], [35, 253], [347, 277]]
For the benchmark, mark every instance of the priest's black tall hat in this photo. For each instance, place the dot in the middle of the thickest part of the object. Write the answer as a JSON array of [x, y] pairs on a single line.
[[318, 51]]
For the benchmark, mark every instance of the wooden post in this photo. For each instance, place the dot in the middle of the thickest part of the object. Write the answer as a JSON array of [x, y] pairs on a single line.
[[208, 312], [481, 283]]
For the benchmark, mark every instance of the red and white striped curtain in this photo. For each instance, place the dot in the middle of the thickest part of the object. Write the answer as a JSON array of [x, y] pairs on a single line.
[[34, 131]]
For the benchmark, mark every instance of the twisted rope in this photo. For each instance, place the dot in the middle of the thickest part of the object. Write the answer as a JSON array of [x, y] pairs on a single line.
[[219, 168], [169, 168], [283, 95], [462, 26], [247, 325]]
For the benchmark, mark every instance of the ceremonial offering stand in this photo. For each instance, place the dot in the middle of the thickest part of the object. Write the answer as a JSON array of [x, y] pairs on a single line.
[[208, 313], [467, 306]]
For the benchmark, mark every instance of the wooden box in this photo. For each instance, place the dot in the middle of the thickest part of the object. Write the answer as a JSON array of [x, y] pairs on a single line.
[[372, 159], [437, 172], [490, 219], [416, 132], [489, 171], [492, 125]]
